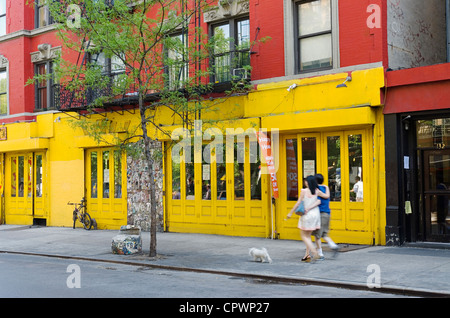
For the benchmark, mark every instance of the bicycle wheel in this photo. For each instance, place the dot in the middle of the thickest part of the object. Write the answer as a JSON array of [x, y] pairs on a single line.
[[87, 221], [75, 212]]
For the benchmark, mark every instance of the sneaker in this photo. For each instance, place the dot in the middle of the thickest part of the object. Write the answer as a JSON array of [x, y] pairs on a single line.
[[335, 251]]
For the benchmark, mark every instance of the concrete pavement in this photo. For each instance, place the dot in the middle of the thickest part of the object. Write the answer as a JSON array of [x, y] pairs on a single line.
[[411, 271]]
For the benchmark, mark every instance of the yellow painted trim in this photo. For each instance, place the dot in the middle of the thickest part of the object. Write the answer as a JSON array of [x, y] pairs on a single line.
[[331, 119]]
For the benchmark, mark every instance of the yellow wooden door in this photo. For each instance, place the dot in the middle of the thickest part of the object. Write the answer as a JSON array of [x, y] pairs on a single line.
[[300, 156], [19, 188], [343, 159], [40, 186], [106, 187]]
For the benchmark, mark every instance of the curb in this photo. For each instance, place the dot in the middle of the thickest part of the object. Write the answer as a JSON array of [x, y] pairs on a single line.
[[269, 278]]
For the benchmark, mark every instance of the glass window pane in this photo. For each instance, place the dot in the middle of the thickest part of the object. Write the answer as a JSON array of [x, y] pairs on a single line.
[[314, 16], [334, 167], [2, 7], [176, 184], [206, 176], [243, 34], [105, 174], [3, 82], [239, 158], [42, 70], [21, 176], [291, 169], [222, 56], [255, 171], [42, 16], [3, 104], [355, 167], [94, 185], [13, 176], [309, 156], [190, 178], [30, 176], [221, 174], [39, 176], [3, 25], [42, 95], [177, 67], [439, 181], [433, 133], [315, 52], [117, 174]]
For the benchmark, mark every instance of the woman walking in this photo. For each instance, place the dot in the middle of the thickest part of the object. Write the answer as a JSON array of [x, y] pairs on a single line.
[[310, 220]]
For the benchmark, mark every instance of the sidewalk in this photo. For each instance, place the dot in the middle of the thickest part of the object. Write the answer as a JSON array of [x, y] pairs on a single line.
[[408, 270]]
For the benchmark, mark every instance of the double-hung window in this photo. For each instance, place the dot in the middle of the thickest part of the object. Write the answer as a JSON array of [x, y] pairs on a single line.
[[176, 65], [42, 14], [44, 86], [114, 69], [231, 57], [313, 31]]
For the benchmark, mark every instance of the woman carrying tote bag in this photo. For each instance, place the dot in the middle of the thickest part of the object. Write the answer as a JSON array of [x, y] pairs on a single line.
[[310, 220]]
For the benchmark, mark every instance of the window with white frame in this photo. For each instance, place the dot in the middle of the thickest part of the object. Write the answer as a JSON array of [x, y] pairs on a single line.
[[313, 33]]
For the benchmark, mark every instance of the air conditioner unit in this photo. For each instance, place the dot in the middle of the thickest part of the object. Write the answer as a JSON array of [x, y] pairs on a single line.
[[240, 73]]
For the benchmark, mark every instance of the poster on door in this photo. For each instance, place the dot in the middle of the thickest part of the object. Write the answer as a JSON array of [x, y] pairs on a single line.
[[266, 151]]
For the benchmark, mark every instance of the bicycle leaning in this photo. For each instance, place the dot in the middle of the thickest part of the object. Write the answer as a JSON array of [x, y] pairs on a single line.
[[80, 213]]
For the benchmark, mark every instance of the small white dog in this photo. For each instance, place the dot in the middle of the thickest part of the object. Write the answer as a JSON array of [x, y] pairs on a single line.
[[259, 255]]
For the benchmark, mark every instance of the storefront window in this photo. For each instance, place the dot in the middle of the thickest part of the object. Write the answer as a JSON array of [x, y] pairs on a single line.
[[94, 175], [239, 157], [206, 174], [105, 174], [190, 178], [433, 133], [334, 167], [117, 174], [39, 176], [13, 176], [255, 171], [355, 167], [309, 156], [21, 174], [221, 181], [176, 184], [291, 170]]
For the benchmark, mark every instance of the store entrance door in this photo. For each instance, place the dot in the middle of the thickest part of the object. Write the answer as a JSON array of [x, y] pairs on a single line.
[[25, 198], [436, 220]]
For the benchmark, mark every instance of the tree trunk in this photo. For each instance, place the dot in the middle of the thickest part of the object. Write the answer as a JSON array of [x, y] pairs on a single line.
[[150, 164]]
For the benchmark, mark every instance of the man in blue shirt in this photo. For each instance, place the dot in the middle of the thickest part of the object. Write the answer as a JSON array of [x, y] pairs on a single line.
[[324, 219]]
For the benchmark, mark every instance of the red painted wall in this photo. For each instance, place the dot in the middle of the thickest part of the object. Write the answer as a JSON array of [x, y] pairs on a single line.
[[358, 43], [268, 59]]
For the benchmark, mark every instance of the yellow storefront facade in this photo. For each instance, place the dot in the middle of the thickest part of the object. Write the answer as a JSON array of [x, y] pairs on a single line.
[[47, 163], [320, 128]]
